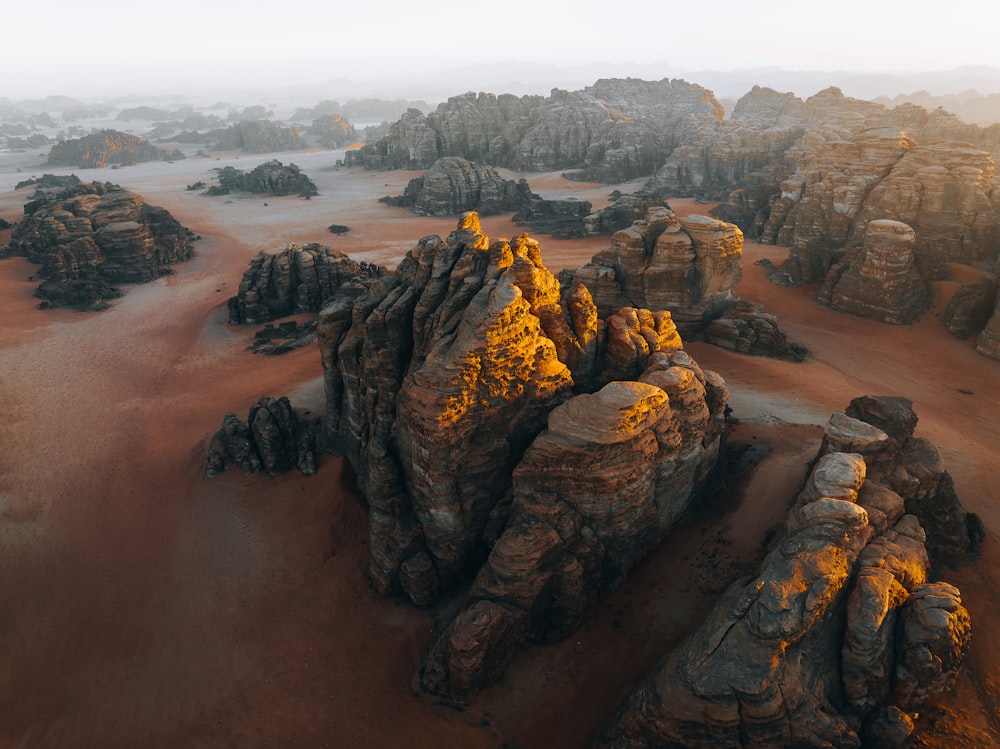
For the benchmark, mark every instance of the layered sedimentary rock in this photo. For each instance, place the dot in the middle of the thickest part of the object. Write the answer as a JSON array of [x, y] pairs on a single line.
[[92, 236], [611, 131], [988, 341], [971, 307], [881, 280], [686, 265], [107, 147], [622, 212], [259, 136], [648, 445], [840, 640], [440, 380], [270, 178], [275, 438], [296, 279], [453, 186], [333, 131]]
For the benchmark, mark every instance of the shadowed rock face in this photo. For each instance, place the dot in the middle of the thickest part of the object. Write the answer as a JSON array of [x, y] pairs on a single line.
[[297, 279], [275, 438], [89, 237], [453, 186], [270, 178], [840, 640], [441, 383], [880, 281]]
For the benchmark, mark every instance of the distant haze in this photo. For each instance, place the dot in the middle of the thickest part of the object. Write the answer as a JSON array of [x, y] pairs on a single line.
[[432, 48]]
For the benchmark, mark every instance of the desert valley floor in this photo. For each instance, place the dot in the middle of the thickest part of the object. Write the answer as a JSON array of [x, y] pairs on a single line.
[[143, 604]]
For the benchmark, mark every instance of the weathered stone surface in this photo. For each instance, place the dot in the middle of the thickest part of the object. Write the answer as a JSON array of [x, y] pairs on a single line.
[[274, 438], [914, 468], [441, 380], [971, 307], [746, 328], [107, 147], [91, 236], [333, 131], [881, 280], [649, 447], [259, 136], [270, 178], [297, 279], [686, 265], [988, 340], [840, 640], [453, 186], [612, 131]]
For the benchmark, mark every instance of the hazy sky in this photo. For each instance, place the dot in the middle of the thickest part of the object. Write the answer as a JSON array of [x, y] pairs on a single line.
[[107, 46]]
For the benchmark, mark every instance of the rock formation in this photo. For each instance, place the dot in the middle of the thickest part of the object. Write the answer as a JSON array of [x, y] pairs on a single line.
[[440, 380], [686, 265], [649, 446], [880, 281], [842, 638], [988, 341], [107, 147], [612, 131], [275, 438], [453, 186], [259, 136], [270, 178], [970, 307], [747, 329], [89, 237], [296, 279], [333, 131]]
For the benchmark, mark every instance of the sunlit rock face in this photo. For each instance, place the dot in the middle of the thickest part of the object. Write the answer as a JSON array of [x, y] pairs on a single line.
[[107, 147], [840, 640], [296, 279], [881, 280], [686, 265], [89, 237], [467, 392], [612, 131]]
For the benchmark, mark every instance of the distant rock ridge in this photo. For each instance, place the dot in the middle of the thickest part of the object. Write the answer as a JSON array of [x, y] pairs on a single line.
[[269, 178], [441, 381], [91, 236], [612, 131], [259, 136], [843, 637], [107, 147]]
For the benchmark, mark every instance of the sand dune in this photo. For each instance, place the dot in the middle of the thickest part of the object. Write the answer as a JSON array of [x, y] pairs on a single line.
[[146, 605]]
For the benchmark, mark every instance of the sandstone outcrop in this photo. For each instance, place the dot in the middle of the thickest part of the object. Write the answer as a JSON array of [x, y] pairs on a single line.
[[747, 329], [275, 438], [107, 147], [649, 446], [453, 186], [686, 265], [333, 131], [440, 379], [622, 212], [842, 638], [259, 136], [270, 178], [92, 236], [988, 341], [971, 307], [881, 280], [294, 280], [612, 131]]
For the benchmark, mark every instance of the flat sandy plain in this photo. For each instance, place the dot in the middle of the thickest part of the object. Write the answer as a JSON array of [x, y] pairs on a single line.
[[143, 604]]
